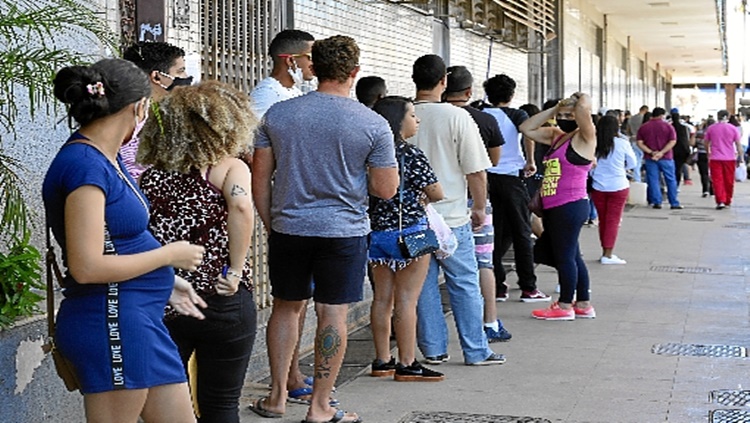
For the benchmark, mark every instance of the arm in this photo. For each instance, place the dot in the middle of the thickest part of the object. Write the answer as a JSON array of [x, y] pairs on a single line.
[[84, 232], [532, 127], [586, 128], [530, 168], [478, 189], [630, 159], [240, 223], [434, 192], [740, 153], [656, 155], [494, 154], [263, 168], [383, 181]]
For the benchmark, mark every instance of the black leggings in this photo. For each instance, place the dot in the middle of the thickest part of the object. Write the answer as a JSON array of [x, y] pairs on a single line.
[[703, 169]]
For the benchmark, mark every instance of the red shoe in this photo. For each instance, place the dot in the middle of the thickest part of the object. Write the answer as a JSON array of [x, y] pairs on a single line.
[[688, 182], [585, 313], [554, 312]]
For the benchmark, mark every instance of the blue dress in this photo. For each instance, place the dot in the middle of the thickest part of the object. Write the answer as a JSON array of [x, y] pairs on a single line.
[[113, 333]]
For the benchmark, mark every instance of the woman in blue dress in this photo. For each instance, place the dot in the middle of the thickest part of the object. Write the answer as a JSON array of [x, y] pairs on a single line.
[[118, 278]]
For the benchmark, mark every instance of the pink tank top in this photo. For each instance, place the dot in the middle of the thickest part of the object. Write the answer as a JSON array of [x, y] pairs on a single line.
[[564, 182]]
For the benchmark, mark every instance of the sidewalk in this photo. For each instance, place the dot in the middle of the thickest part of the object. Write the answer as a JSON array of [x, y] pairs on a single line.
[[685, 283]]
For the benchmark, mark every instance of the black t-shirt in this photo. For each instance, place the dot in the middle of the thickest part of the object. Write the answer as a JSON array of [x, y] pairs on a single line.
[[488, 127]]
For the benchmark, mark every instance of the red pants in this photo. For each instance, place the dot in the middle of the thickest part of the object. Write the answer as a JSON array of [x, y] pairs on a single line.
[[722, 178], [610, 206]]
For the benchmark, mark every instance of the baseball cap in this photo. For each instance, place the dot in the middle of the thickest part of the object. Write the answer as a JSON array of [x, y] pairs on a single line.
[[459, 79]]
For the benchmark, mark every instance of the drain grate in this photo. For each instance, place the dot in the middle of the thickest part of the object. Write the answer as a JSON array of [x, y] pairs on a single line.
[[680, 269], [699, 350], [697, 218], [730, 397], [649, 217], [738, 225], [728, 416], [448, 417]]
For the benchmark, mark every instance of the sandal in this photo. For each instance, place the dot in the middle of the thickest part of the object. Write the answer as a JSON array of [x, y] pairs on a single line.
[[296, 396], [257, 408], [310, 380], [338, 416]]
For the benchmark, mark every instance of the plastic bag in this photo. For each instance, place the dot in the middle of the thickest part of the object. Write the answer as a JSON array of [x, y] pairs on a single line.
[[740, 173], [446, 237]]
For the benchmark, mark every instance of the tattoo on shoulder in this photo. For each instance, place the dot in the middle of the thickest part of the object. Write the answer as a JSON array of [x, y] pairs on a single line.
[[238, 191]]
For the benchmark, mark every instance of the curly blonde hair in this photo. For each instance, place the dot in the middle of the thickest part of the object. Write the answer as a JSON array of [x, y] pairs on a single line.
[[197, 126]]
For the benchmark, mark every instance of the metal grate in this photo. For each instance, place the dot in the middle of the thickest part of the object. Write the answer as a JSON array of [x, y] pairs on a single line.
[[699, 350], [649, 217], [728, 416], [680, 269], [697, 218], [448, 417], [738, 225], [730, 397]]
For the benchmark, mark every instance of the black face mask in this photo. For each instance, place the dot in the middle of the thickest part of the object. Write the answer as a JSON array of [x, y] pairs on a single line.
[[567, 125], [177, 81]]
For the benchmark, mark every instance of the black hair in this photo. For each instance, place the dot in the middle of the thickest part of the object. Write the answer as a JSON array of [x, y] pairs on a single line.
[[530, 109], [153, 56], [658, 111], [480, 104], [100, 90], [370, 89], [646, 117], [550, 103], [500, 89], [289, 41], [428, 71], [393, 109], [606, 131]]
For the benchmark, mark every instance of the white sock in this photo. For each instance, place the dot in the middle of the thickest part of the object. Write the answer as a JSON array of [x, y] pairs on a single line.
[[493, 325]]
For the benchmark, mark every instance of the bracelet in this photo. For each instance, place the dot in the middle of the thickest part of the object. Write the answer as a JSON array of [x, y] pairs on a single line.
[[231, 272]]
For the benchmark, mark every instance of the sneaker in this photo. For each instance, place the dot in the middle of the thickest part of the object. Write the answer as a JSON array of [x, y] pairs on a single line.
[[494, 358], [381, 368], [677, 207], [493, 335], [438, 359], [704, 195], [612, 260], [501, 298], [656, 206], [534, 296], [688, 182], [720, 206], [557, 289], [416, 373], [554, 312], [585, 313]]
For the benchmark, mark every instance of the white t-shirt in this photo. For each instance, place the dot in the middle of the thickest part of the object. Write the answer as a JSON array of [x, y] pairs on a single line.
[[268, 92], [451, 141]]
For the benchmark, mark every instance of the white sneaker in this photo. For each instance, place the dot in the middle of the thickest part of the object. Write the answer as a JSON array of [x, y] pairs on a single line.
[[612, 260]]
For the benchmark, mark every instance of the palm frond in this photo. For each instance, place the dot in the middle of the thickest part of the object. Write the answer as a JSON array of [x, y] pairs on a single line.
[[14, 214]]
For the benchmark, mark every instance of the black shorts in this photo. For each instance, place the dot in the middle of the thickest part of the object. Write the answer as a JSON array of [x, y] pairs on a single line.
[[336, 265]]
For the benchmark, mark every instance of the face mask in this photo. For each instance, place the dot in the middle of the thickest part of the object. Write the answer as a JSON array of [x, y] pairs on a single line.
[[296, 74], [138, 125], [176, 81], [567, 125]]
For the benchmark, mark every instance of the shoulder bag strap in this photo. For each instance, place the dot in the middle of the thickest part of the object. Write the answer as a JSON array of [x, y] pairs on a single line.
[[400, 196], [53, 273]]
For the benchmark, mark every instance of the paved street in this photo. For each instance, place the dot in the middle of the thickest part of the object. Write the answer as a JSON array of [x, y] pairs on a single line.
[[685, 283]]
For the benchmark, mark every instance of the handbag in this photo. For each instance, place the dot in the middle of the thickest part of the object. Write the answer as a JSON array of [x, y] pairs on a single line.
[[63, 366], [417, 243], [535, 203]]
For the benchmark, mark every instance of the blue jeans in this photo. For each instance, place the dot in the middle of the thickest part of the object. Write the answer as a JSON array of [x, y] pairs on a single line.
[[462, 280], [653, 192], [638, 161]]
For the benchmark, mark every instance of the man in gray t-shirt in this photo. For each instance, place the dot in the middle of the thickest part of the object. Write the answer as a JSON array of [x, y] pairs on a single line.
[[324, 151]]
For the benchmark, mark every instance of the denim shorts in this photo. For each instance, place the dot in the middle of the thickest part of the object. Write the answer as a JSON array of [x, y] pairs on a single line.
[[484, 243], [384, 249]]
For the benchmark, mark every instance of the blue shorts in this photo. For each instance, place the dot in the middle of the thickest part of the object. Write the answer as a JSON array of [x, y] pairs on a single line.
[[384, 249], [337, 265]]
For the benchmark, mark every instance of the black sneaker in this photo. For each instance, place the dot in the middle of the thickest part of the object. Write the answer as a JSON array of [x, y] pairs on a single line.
[[416, 373], [438, 359], [381, 369]]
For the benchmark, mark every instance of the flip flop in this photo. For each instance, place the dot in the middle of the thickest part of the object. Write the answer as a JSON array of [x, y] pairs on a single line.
[[257, 408], [295, 396], [338, 417]]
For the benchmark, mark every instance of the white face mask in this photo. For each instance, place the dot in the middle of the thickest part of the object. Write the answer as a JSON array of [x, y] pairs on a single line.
[[296, 74], [138, 125]]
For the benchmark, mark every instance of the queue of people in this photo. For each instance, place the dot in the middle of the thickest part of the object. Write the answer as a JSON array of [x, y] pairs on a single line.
[[156, 226]]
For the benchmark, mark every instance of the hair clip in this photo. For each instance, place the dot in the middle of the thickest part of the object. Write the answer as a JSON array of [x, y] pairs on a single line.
[[96, 90]]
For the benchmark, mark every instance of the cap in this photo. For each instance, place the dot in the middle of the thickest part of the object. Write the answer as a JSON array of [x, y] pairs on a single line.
[[675, 110], [603, 111], [459, 79]]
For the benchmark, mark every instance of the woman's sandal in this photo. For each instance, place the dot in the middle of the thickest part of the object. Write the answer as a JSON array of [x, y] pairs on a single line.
[[338, 417], [257, 408], [298, 395]]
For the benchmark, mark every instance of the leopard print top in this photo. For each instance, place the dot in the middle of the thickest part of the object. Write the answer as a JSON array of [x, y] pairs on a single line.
[[188, 207]]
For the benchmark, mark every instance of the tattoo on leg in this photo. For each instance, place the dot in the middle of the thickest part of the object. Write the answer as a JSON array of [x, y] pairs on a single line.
[[238, 191], [396, 316], [327, 345]]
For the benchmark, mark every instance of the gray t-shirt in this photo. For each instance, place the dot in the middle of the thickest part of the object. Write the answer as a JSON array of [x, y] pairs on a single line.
[[323, 145]]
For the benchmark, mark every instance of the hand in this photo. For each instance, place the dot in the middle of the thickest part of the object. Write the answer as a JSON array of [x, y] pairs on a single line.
[[185, 255], [185, 300], [227, 285], [477, 219], [657, 155], [529, 170]]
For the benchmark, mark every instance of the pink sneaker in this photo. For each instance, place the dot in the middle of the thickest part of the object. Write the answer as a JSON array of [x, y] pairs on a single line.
[[585, 313], [554, 312]]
